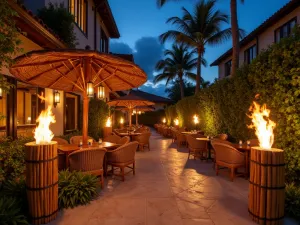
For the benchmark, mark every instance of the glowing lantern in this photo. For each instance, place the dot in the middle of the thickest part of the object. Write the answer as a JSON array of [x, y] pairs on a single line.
[[90, 89], [176, 122], [101, 92], [164, 120], [1, 92], [56, 99], [108, 122], [140, 112], [196, 119], [42, 133], [262, 124], [121, 120]]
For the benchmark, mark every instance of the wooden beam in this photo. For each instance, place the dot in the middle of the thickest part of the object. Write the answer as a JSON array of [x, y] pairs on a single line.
[[42, 73], [102, 82], [38, 64]]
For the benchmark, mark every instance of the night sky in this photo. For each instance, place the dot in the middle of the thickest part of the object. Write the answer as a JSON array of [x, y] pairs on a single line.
[[140, 23]]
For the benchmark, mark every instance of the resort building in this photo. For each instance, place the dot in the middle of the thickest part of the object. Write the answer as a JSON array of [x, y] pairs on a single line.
[[278, 26], [94, 26]]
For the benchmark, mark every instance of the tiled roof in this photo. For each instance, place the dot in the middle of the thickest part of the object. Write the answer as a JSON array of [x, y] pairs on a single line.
[[285, 10], [151, 97]]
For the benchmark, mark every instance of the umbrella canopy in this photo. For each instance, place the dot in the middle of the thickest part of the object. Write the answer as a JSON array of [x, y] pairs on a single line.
[[71, 70], [137, 109], [130, 101]]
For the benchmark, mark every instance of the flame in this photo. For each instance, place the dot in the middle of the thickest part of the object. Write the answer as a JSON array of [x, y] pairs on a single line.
[[108, 122], [164, 120], [121, 120], [42, 133], [196, 119], [262, 124], [176, 122]]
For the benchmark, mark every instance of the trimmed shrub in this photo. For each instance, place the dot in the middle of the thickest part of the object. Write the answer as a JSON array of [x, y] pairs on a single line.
[[76, 188], [98, 113], [12, 158], [171, 114], [292, 200], [151, 118]]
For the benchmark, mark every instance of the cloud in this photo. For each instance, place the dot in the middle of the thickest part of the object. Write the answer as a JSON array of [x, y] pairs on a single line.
[[121, 48], [147, 52]]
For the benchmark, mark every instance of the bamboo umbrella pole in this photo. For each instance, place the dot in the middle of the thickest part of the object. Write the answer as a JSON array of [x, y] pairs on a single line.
[[136, 118], [130, 116], [85, 117]]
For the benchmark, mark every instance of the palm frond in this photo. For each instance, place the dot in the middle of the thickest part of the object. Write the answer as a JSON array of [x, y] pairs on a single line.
[[220, 37]]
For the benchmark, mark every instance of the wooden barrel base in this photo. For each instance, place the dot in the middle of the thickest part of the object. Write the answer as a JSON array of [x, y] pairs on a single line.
[[42, 181], [266, 186]]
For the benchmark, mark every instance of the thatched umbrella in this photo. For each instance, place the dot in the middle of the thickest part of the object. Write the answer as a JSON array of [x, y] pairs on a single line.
[[130, 102], [137, 110], [77, 71]]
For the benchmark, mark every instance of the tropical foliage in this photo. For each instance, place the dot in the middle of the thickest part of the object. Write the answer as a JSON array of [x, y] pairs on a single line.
[[60, 20], [292, 200], [178, 64], [223, 106], [199, 29], [76, 188]]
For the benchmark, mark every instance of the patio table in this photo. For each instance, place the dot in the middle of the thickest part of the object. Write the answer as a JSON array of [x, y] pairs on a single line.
[[131, 135], [69, 148], [247, 150]]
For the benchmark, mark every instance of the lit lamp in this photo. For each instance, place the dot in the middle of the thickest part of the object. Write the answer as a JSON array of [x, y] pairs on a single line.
[[1, 92], [121, 122], [176, 122], [140, 112], [101, 92], [56, 98], [107, 130], [164, 120], [196, 120], [90, 89]]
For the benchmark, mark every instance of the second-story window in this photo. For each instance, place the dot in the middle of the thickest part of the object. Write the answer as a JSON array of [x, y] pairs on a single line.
[[228, 68], [78, 8], [285, 30], [103, 42], [250, 54]]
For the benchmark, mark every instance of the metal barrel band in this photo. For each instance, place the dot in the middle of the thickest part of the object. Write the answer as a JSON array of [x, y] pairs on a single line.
[[265, 187], [271, 165], [41, 188], [265, 218], [43, 217], [41, 161]]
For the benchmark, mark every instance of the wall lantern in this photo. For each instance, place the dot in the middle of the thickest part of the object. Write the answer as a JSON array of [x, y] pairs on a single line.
[[56, 98], [164, 120], [90, 89], [1, 93], [101, 92], [121, 120]]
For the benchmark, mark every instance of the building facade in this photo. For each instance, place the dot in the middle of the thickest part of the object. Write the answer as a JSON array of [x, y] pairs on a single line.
[[278, 26], [94, 25]]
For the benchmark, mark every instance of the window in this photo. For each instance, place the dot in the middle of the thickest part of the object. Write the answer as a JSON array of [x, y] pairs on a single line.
[[228, 68], [285, 30], [78, 8], [71, 111], [103, 42], [250, 54]]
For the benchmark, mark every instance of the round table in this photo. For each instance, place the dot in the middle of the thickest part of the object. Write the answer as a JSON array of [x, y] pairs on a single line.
[[67, 149], [208, 147]]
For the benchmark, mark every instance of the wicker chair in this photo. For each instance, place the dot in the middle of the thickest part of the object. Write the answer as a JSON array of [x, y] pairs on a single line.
[[222, 137], [88, 160], [60, 141], [75, 140], [197, 148], [113, 138], [228, 156], [143, 140], [180, 139], [61, 155], [122, 157], [124, 140]]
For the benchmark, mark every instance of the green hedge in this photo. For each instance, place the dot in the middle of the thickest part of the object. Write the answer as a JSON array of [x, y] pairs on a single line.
[[98, 113], [275, 76], [150, 118], [171, 114]]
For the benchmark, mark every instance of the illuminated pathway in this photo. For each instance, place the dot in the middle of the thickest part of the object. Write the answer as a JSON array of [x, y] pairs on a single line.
[[168, 189]]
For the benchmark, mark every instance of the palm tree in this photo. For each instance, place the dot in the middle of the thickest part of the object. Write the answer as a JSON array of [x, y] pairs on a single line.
[[178, 63], [235, 36], [198, 30]]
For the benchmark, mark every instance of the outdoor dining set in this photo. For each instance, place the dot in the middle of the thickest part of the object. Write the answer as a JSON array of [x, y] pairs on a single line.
[[218, 149], [116, 151]]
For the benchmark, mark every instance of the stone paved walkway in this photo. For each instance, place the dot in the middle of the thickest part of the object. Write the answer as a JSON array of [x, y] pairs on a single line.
[[168, 189]]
